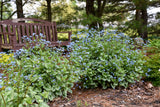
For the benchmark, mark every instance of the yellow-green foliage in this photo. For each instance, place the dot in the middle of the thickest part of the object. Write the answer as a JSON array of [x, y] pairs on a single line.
[[5, 58]]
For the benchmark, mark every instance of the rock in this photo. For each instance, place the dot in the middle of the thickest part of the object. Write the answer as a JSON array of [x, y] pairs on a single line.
[[149, 85], [138, 96], [139, 41]]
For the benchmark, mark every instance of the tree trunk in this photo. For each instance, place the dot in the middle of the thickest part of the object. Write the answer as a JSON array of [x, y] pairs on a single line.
[[19, 9], [97, 13], [49, 13], [1, 10], [138, 21], [144, 24], [90, 11], [141, 17]]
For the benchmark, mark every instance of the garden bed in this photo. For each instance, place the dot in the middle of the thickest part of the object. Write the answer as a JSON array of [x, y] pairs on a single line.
[[99, 70], [141, 94]]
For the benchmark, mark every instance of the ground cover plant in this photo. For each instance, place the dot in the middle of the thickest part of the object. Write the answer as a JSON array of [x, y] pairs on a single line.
[[37, 75], [107, 59]]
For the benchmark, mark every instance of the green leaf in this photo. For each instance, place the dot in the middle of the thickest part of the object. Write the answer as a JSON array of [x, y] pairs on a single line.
[[43, 105], [45, 94], [29, 100]]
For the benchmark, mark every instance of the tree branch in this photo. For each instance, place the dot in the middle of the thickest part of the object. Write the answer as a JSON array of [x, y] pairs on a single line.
[[26, 1]]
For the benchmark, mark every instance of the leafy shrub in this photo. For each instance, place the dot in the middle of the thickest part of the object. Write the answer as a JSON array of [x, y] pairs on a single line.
[[153, 46], [152, 69], [106, 59], [39, 74]]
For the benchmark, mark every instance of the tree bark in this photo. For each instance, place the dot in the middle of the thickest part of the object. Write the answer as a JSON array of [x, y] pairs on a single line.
[[90, 11], [1, 10], [100, 9], [49, 13], [144, 24], [141, 17], [19, 9]]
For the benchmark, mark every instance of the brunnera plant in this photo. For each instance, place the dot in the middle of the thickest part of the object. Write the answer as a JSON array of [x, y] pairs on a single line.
[[106, 59], [38, 75]]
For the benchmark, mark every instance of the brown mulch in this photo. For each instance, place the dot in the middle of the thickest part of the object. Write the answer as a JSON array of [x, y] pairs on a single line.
[[141, 94]]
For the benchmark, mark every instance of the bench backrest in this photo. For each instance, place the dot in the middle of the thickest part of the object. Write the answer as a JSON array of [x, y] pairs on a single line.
[[12, 31]]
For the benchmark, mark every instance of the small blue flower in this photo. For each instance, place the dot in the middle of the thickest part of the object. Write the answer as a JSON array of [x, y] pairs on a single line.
[[119, 80], [149, 70], [147, 74]]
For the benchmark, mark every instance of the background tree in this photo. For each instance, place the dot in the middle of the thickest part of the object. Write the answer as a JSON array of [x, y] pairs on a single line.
[[5, 11], [19, 6], [141, 17], [49, 13], [95, 11]]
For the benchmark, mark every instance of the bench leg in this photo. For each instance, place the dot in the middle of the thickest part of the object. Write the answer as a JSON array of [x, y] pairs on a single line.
[[0, 49]]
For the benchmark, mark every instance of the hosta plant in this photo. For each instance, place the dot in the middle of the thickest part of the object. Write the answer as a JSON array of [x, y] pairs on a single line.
[[106, 59]]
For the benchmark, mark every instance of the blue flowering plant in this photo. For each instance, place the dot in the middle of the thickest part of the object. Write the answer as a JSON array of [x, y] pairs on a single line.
[[37, 76], [107, 59]]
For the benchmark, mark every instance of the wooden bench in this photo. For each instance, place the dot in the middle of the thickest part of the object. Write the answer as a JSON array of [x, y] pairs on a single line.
[[12, 31]]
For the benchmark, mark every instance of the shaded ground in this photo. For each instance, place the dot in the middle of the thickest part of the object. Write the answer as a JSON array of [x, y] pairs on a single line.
[[141, 94]]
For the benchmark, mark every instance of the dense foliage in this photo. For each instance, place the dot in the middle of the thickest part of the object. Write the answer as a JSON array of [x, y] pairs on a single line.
[[107, 59], [152, 64], [152, 69], [38, 74], [154, 46]]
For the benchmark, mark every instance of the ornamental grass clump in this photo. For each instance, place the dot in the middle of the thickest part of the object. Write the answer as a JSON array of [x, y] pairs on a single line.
[[106, 59], [38, 75]]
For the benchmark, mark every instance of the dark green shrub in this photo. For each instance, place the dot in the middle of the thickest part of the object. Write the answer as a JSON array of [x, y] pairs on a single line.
[[106, 59], [153, 46], [152, 69]]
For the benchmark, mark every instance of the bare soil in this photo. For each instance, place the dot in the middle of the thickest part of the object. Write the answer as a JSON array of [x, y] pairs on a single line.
[[141, 94]]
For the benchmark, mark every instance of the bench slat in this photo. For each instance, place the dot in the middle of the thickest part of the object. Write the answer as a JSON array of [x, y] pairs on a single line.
[[5, 34], [0, 38], [31, 30], [55, 30], [49, 33], [27, 30], [53, 33], [9, 33], [35, 29], [12, 31], [46, 33], [43, 29], [38, 29], [23, 33], [19, 34]]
